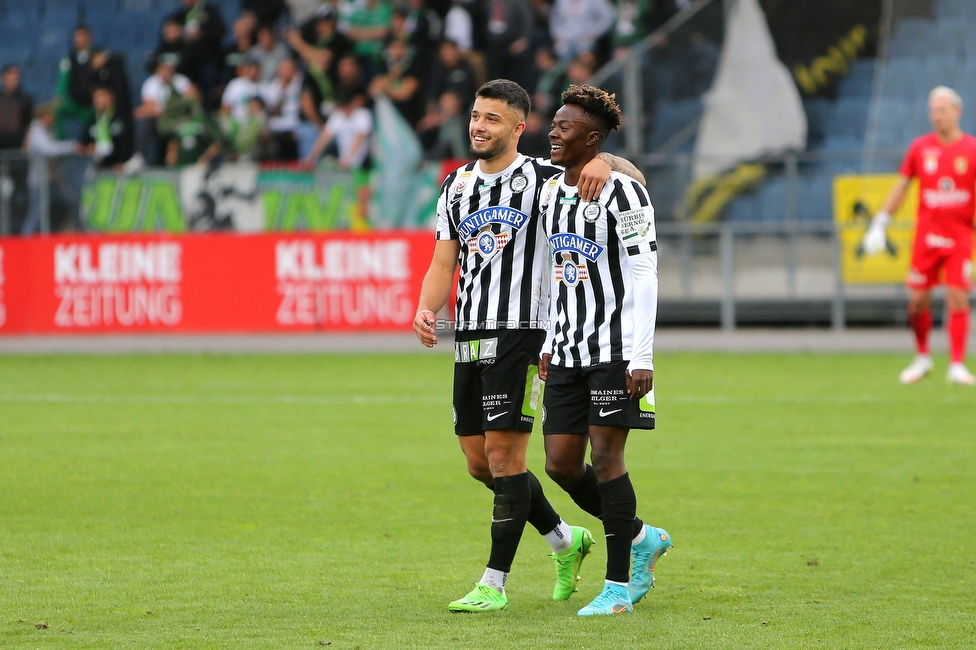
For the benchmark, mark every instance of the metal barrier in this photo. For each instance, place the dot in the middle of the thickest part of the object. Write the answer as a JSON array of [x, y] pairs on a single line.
[[34, 186]]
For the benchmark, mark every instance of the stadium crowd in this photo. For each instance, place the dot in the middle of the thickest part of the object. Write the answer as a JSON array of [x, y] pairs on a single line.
[[293, 80]]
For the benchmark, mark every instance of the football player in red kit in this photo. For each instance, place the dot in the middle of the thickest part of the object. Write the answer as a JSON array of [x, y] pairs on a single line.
[[944, 161]]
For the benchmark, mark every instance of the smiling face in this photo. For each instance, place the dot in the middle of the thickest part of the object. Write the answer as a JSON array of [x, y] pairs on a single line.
[[572, 136], [494, 128]]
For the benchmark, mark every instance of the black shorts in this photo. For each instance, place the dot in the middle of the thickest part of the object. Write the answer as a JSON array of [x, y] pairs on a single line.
[[496, 380], [575, 398]]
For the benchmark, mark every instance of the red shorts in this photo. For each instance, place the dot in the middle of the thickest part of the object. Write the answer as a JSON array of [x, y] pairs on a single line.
[[934, 255]]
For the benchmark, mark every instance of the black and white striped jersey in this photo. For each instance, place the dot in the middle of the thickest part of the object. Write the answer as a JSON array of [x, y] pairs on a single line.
[[603, 274], [503, 263]]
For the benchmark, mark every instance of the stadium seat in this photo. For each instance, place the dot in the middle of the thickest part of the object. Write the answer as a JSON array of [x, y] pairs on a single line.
[[817, 110], [672, 116], [859, 79], [951, 37], [848, 118], [772, 199], [941, 70], [61, 7], [912, 37], [956, 10], [904, 77], [816, 197]]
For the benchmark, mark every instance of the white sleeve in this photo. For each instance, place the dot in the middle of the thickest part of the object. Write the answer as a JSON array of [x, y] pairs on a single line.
[[643, 270], [443, 229]]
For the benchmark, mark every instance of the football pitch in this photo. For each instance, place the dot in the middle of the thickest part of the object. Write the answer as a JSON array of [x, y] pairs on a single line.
[[275, 501]]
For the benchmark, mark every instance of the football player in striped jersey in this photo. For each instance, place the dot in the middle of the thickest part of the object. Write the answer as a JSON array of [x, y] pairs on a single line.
[[488, 224], [598, 357]]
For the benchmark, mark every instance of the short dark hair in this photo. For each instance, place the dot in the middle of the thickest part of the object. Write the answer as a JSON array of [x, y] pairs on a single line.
[[10, 67], [598, 104], [509, 92]]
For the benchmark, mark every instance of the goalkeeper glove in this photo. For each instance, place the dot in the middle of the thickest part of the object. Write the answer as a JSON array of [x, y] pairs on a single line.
[[876, 238]]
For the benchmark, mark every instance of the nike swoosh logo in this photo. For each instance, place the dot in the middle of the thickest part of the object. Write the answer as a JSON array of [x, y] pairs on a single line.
[[618, 609], [500, 521], [495, 416], [603, 415]]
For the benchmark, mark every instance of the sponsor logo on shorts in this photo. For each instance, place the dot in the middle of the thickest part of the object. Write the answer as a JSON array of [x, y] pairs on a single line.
[[604, 414], [477, 351], [491, 417]]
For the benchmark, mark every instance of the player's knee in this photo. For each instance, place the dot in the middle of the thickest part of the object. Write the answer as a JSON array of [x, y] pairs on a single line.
[[607, 463], [480, 471], [563, 473]]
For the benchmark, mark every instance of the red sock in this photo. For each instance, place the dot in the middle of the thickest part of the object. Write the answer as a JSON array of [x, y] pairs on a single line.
[[921, 324], [958, 333]]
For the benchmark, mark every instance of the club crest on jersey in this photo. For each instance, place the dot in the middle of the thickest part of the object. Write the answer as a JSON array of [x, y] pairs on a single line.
[[567, 242], [930, 163], [493, 214], [569, 272], [461, 183], [550, 191], [592, 211], [961, 165], [486, 243], [518, 183]]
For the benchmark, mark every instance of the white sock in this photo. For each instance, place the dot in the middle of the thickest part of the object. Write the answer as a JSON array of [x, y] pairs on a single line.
[[640, 537], [495, 579], [614, 582], [560, 538]]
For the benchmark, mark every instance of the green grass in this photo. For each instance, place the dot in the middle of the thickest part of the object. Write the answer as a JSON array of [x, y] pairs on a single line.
[[288, 501]]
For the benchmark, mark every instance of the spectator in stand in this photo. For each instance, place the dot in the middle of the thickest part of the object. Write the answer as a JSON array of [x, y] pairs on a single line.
[[550, 84], [581, 69], [534, 140], [633, 23], [701, 63], [191, 136], [320, 44], [346, 135], [423, 28], [451, 73], [233, 53], [156, 92], [16, 108], [64, 187], [203, 33], [108, 69], [283, 99], [399, 79], [267, 12], [268, 52], [248, 136], [541, 9], [368, 27], [577, 25], [72, 95], [444, 130], [458, 28], [508, 52], [170, 42], [109, 136], [240, 91]]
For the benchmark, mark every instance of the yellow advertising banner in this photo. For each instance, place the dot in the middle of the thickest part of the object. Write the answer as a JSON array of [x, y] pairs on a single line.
[[856, 199]]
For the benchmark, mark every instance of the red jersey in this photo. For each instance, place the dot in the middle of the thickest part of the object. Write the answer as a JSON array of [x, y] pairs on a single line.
[[947, 185]]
